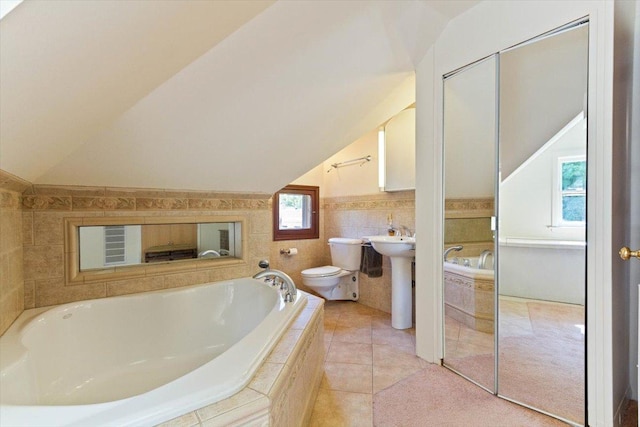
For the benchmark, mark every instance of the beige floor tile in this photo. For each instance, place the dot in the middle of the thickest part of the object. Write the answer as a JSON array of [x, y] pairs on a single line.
[[345, 352], [381, 321], [347, 377], [342, 409], [355, 320], [390, 336], [356, 335]]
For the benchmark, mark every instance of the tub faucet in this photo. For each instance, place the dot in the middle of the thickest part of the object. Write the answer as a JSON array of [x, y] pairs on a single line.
[[286, 281], [452, 248], [483, 258]]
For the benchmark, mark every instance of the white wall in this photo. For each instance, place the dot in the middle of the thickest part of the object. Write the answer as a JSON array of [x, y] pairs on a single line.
[[485, 29], [470, 99], [527, 195], [543, 86]]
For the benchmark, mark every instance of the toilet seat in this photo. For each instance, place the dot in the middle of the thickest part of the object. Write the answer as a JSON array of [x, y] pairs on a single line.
[[326, 271]]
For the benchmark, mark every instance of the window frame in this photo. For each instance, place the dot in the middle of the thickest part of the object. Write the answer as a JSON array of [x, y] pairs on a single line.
[[558, 220], [313, 232]]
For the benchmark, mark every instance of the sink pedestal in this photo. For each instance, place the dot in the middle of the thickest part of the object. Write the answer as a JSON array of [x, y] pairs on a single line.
[[401, 293], [401, 250]]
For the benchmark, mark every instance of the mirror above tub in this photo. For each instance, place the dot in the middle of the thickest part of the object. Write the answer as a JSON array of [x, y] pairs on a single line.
[[99, 247]]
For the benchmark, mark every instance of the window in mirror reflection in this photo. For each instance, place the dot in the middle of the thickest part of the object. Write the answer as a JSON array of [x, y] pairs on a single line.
[[572, 191], [295, 213], [125, 245]]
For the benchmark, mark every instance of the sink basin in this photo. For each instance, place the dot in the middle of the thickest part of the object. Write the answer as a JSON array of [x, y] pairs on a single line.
[[401, 250], [393, 246]]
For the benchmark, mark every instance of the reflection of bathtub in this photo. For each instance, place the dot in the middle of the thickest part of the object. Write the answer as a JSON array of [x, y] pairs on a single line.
[[549, 270], [468, 294]]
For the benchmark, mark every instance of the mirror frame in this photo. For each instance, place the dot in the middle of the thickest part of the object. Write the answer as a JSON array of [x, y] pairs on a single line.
[[74, 276]]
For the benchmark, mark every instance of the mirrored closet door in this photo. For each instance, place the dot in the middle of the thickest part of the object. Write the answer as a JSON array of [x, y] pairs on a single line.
[[537, 167], [470, 100]]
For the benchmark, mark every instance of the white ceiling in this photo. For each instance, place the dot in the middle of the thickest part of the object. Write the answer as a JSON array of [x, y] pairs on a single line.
[[202, 95]]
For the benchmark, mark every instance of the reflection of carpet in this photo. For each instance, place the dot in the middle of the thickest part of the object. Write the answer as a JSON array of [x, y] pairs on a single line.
[[436, 396], [542, 367]]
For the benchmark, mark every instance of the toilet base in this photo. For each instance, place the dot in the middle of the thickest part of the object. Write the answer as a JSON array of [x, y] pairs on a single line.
[[346, 289]]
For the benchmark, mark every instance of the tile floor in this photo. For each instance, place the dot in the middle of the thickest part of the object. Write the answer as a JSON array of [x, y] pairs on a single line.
[[363, 355]]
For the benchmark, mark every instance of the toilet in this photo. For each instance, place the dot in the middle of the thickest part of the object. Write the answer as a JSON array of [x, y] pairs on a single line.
[[340, 280]]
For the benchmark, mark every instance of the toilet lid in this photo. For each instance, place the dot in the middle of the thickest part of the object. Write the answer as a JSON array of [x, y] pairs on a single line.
[[326, 271]]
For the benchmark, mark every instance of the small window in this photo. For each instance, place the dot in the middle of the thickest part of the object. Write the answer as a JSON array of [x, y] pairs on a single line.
[[296, 213], [571, 192]]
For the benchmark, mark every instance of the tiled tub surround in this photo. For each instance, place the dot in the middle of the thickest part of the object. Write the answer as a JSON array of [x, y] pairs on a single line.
[[359, 216], [469, 296], [45, 208], [11, 252], [468, 223]]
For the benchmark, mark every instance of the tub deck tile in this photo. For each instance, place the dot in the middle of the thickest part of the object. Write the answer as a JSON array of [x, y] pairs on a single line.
[[267, 376], [243, 398], [187, 420]]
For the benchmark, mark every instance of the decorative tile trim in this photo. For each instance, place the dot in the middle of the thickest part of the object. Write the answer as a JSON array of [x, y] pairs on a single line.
[[469, 208], [367, 203], [210, 204], [250, 204], [144, 203], [56, 203], [103, 203], [103, 199]]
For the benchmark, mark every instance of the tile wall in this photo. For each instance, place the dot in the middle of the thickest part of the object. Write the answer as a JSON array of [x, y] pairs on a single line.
[[33, 238], [45, 207], [11, 253], [359, 216]]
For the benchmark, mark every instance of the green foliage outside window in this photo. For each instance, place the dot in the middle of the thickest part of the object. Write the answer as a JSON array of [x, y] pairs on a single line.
[[574, 199]]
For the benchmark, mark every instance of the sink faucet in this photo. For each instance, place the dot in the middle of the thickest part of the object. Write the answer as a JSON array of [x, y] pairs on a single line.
[[452, 248], [286, 282], [404, 229]]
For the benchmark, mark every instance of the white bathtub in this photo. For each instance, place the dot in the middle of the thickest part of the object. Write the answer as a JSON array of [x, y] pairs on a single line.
[[139, 359], [468, 266], [555, 269]]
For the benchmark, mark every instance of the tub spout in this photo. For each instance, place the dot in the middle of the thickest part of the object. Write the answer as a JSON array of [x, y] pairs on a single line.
[[209, 253], [483, 258], [287, 282], [452, 248]]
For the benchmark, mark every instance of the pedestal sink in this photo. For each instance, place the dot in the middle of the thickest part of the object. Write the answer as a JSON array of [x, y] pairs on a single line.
[[401, 250]]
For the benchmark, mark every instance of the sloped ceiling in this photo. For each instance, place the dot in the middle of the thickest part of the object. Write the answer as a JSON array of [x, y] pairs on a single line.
[[202, 95]]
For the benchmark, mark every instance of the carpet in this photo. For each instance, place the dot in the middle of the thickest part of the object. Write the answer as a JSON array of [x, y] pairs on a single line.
[[436, 396], [540, 365]]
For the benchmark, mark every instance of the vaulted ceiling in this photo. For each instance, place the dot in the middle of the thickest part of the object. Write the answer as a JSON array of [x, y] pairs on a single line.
[[202, 95]]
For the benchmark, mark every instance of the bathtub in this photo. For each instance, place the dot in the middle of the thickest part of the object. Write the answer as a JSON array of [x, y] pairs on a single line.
[[555, 269], [469, 293], [139, 359]]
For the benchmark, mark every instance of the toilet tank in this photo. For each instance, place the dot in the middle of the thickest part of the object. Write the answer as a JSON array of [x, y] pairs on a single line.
[[346, 253]]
